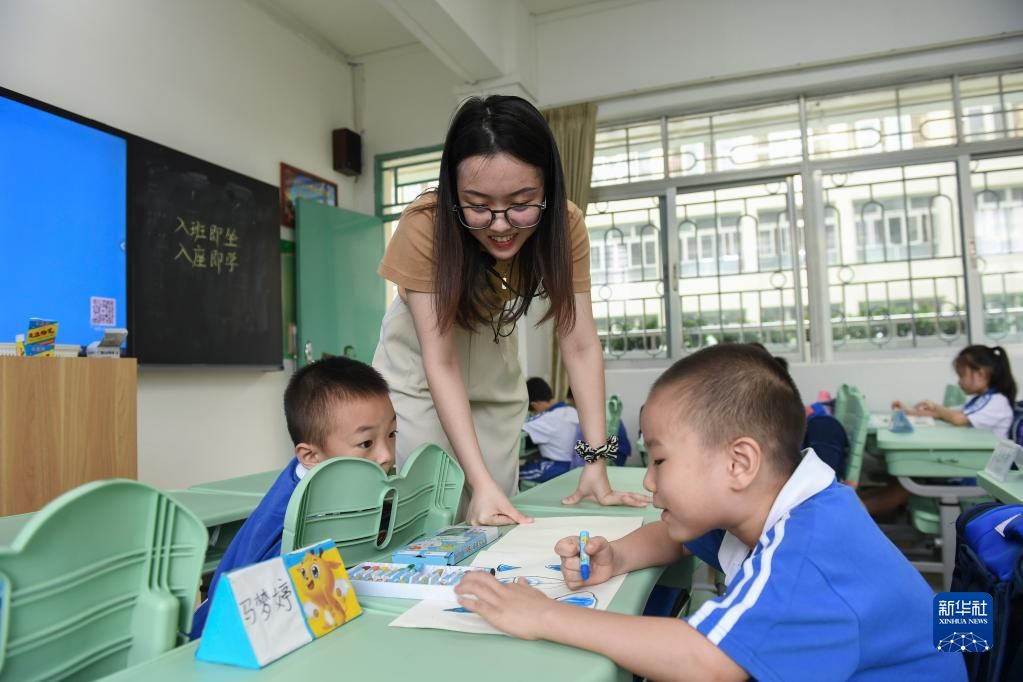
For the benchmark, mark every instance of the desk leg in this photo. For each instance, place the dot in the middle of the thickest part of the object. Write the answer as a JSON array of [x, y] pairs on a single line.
[[948, 512]]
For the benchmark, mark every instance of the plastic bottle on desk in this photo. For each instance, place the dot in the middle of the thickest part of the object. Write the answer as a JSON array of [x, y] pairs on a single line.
[[900, 422]]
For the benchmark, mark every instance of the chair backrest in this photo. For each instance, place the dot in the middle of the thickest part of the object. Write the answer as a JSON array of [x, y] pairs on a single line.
[[102, 578], [954, 396], [851, 411], [366, 512], [613, 414]]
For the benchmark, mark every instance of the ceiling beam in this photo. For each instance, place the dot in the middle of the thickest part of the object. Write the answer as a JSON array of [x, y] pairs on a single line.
[[466, 36]]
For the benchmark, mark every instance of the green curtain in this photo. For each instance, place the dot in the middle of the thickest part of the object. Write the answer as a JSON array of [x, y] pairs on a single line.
[[575, 130]]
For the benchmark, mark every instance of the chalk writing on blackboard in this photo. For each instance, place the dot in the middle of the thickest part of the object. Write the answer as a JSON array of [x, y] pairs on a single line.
[[213, 247]]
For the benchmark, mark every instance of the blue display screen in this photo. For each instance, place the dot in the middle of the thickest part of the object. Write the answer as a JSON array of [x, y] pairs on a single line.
[[62, 222]]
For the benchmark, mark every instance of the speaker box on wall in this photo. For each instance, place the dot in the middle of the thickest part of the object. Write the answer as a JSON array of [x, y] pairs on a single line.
[[347, 151]]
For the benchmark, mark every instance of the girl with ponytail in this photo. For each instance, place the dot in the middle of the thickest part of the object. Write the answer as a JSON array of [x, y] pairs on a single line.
[[985, 374]]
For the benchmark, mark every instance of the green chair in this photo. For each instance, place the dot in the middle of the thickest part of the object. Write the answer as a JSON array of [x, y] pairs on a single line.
[[852, 413], [613, 414], [366, 512], [100, 579], [954, 396]]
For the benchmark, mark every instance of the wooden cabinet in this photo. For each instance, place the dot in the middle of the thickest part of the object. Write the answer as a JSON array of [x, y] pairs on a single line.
[[63, 422]]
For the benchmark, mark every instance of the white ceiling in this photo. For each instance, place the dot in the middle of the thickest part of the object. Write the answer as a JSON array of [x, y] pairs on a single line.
[[357, 28]]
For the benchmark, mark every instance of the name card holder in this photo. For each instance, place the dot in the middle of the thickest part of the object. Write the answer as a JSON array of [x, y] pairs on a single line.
[[1006, 452], [265, 611]]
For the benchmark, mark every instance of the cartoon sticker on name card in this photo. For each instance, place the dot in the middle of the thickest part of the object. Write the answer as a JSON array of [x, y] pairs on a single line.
[[321, 583]]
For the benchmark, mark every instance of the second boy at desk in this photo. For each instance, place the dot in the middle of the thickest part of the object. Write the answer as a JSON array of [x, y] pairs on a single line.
[[553, 426], [815, 591], [334, 408]]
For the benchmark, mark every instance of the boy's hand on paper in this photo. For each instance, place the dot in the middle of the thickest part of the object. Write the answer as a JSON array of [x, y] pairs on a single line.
[[491, 507], [927, 408], [601, 560], [593, 485], [514, 608]]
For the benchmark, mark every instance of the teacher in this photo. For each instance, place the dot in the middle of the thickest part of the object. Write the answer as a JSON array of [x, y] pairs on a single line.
[[469, 258]]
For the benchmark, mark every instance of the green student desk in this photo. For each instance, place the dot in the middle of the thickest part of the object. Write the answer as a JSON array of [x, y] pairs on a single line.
[[545, 499], [938, 452], [368, 649], [213, 509], [253, 484], [1009, 491], [222, 513]]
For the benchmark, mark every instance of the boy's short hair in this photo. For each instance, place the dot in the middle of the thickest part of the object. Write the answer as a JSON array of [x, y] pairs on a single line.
[[538, 389], [732, 390], [316, 388]]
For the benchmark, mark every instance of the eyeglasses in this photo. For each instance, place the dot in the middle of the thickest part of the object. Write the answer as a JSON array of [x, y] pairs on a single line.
[[522, 216]]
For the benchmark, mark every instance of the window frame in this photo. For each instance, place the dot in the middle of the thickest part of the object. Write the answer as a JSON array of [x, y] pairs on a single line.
[[819, 251]]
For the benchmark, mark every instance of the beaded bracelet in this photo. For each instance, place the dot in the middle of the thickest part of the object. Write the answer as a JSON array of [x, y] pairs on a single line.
[[608, 450]]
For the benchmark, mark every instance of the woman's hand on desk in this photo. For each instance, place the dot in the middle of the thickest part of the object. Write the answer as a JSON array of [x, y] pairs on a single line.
[[593, 485], [491, 507]]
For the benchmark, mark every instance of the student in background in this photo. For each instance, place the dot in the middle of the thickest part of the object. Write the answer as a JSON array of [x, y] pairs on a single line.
[[469, 258], [624, 445], [336, 407], [984, 373], [552, 427], [815, 590]]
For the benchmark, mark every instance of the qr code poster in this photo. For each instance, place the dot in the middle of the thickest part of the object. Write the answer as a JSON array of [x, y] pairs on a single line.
[[102, 311]]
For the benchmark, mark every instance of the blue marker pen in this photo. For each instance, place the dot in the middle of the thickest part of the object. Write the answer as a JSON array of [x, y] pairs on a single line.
[[584, 558]]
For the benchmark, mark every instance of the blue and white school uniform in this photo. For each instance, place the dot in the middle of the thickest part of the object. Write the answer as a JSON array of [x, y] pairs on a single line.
[[258, 539], [554, 432], [992, 411], [823, 596]]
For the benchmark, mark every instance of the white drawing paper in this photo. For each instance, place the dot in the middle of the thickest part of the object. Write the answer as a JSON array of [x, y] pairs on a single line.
[[527, 552]]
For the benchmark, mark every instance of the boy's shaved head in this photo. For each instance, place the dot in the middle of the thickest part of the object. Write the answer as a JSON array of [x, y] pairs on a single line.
[[733, 390], [316, 388]]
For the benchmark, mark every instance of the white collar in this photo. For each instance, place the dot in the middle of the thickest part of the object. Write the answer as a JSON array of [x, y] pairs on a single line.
[[300, 470], [810, 477]]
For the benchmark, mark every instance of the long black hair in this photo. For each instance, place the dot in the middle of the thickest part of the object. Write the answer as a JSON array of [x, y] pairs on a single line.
[[465, 291], [995, 361]]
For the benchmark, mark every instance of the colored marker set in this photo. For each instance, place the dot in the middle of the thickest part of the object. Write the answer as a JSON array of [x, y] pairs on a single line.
[[408, 581]]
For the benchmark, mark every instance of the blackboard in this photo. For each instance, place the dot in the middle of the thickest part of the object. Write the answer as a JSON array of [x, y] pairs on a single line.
[[204, 269]]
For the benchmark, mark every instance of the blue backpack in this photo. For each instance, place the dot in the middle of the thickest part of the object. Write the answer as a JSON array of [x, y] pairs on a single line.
[[989, 558], [828, 438]]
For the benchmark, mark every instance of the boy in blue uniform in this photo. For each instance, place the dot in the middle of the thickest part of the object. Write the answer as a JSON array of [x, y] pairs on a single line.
[[815, 591], [336, 407], [553, 427]]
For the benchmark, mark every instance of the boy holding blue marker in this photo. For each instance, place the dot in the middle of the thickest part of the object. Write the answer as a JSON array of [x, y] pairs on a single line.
[[815, 591], [584, 557]]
